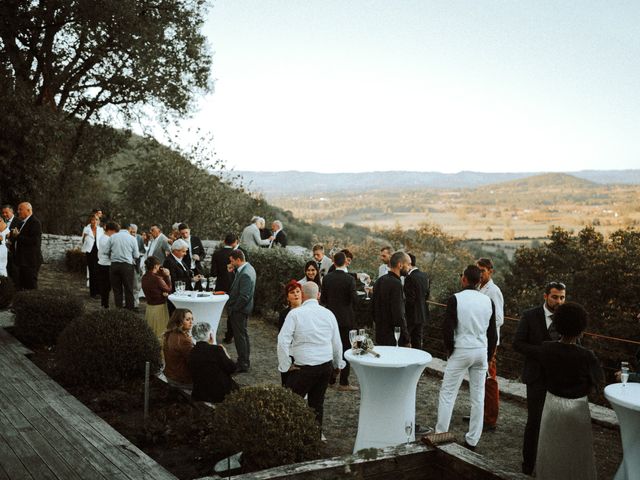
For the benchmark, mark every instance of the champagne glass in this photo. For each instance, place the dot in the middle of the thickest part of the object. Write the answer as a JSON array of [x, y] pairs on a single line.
[[408, 430], [193, 283], [360, 338], [396, 334], [352, 337], [624, 373]]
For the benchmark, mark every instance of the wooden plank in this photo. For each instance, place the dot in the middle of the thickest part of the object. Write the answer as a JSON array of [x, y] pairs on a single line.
[[126, 457], [10, 464], [22, 450], [34, 438], [41, 417]]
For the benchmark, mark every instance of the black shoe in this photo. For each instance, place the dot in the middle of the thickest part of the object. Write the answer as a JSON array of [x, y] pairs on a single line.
[[466, 419], [227, 340], [527, 470], [242, 370], [488, 428], [469, 447]]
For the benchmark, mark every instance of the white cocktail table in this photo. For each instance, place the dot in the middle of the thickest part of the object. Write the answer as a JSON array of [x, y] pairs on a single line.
[[205, 308], [387, 394], [626, 403]]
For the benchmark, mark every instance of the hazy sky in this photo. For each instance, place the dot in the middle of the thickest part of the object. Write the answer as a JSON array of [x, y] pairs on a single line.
[[483, 85]]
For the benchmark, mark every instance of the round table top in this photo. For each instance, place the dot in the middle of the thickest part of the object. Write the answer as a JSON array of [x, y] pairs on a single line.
[[198, 297], [393, 357], [627, 396]]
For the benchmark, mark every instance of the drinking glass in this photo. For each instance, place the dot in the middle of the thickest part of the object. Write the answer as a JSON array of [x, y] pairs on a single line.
[[624, 373], [408, 430], [212, 283], [179, 287], [396, 334], [193, 283], [352, 337]]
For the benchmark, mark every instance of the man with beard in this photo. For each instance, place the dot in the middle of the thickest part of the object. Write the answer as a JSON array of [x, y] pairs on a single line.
[[536, 326], [388, 302]]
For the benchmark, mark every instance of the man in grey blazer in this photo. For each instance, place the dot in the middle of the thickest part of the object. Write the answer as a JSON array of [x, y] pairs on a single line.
[[159, 245], [240, 306]]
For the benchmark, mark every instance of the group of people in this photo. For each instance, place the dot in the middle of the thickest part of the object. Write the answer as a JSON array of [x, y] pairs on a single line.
[[20, 246]]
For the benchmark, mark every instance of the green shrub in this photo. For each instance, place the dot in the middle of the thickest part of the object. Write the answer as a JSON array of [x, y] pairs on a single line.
[[274, 268], [42, 314], [75, 260], [270, 424], [102, 349], [7, 291]]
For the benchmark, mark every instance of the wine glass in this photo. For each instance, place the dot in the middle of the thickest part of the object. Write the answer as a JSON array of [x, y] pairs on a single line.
[[408, 430], [352, 337], [396, 334], [366, 280], [212, 283], [624, 373], [193, 283]]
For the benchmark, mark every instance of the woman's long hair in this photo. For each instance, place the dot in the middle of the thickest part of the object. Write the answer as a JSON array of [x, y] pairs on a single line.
[[175, 323]]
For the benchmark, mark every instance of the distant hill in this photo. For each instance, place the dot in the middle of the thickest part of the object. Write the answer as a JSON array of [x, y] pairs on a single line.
[[544, 181], [274, 184]]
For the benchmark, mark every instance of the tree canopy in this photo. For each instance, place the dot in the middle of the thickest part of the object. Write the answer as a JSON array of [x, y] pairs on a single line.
[[68, 70]]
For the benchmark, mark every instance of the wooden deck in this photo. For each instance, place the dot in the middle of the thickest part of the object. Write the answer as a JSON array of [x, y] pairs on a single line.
[[45, 433]]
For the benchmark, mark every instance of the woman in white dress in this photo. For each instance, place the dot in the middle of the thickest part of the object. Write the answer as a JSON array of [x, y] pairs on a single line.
[[91, 236]]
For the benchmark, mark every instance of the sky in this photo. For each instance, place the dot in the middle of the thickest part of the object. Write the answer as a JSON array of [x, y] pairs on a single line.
[[425, 85]]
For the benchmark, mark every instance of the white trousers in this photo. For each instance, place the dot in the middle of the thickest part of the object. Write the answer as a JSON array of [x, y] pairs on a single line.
[[474, 362]]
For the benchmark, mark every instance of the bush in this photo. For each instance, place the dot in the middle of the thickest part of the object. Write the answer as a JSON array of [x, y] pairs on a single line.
[[274, 268], [270, 424], [42, 314], [7, 291], [102, 349], [75, 260]]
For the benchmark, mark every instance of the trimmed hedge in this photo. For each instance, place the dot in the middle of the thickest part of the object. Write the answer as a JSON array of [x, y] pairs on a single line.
[[270, 424], [75, 260], [274, 268], [103, 349], [42, 314], [7, 292]]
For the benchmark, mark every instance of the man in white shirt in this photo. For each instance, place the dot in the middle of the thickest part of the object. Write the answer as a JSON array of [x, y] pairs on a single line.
[[469, 331], [491, 392], [310, 335], [385, 257]]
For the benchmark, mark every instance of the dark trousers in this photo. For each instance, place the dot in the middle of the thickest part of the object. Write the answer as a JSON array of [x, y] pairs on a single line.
[[121, 275], [311, 381], [238, 323], [415, 334], [346, 345], [104, 284], [92, 266], [536, 393], [28, 277]]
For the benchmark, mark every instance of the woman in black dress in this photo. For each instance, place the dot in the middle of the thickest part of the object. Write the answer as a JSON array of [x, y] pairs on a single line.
[[565, 443]]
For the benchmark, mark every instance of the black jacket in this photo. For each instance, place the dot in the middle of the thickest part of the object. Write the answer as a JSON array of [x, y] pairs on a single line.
[[219, 262], [388, 310], [280, 239], [27, 245], [198, 249], [178, 273], [416, 294], [532, 332], [211, 371], [339, 295]]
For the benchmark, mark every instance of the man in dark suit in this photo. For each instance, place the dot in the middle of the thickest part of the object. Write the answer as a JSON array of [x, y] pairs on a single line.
[[240, 305], [388, 302], [279, 237], [416, 294], [339, 295], [26, 241], [222, 270], [176, 265], [535, 327], [195, 251]]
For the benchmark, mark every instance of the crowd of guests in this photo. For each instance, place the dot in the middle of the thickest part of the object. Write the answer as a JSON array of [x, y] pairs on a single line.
[[314, 327]]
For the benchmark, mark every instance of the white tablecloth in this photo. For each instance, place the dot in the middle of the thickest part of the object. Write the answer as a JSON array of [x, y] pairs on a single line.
[[387, 394], [205, 308], [626, 403]]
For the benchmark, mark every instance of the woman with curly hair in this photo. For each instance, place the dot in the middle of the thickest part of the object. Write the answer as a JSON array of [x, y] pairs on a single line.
[[176, 346], [565, 444]]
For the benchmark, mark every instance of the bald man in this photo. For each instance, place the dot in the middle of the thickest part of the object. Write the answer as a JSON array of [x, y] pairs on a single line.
[[27, 254]]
